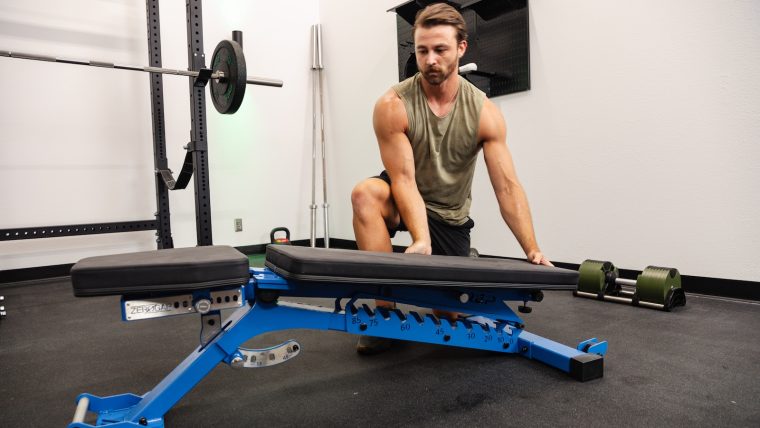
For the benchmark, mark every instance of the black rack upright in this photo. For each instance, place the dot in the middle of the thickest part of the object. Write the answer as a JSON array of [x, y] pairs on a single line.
[[196, 60], [163, 223]]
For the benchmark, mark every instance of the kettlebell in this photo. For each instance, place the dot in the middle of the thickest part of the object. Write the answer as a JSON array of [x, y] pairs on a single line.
[[280, 240]]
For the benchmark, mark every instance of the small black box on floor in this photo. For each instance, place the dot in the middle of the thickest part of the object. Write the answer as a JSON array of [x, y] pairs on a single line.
[[587, 367]]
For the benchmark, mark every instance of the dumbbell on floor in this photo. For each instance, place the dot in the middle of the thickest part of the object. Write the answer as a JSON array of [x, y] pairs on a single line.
[[655, 287]]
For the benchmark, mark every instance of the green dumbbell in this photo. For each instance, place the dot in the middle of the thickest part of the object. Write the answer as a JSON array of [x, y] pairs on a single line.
[[656, 287]]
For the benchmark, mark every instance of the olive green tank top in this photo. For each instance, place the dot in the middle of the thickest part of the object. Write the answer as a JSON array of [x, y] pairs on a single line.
[[445, 148]]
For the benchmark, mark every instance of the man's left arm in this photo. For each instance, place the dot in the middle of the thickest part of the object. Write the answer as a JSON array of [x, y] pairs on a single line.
[[513, 203]]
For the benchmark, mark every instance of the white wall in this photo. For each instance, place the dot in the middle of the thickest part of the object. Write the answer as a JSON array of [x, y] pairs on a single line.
[[638, 142], [76, 143], [359, 65]]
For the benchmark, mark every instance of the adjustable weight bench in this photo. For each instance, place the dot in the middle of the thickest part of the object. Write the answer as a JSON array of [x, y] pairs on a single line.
[[207, 280]]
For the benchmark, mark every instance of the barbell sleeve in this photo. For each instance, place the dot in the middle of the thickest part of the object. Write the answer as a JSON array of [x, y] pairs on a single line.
[[263, 81]]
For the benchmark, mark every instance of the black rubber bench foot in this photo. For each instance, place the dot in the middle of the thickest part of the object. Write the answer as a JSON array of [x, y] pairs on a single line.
[[587, 367]]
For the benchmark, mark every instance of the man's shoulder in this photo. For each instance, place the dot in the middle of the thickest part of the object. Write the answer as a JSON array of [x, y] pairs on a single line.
[[389, 99], [492, 125], [390, 109], [470, 88], [406, 86]]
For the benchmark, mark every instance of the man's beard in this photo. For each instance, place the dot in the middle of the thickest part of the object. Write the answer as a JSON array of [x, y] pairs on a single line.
[[435, 77]]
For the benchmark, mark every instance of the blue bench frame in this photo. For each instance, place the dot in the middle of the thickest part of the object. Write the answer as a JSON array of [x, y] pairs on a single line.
[[261, 312]]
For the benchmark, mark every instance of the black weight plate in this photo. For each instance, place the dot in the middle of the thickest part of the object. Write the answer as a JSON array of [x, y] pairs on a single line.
[[227, 93]]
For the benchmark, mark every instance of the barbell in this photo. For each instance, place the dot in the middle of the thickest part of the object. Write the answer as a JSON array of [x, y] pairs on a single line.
[[227, 74]]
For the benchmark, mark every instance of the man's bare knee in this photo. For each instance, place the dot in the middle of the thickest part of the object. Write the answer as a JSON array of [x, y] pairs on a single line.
[[372, 198], [366, 197]]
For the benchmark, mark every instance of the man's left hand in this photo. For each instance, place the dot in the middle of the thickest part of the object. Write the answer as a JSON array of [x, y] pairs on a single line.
[[537, 258]]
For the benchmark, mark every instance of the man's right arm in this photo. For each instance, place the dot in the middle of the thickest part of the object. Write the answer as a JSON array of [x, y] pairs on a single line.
[[390, 123]]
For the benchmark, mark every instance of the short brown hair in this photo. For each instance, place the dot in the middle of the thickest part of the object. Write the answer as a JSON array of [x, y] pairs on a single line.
[[441, 14]]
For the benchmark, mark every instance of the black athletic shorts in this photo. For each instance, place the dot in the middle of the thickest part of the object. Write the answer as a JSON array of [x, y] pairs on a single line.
[[446, 240]]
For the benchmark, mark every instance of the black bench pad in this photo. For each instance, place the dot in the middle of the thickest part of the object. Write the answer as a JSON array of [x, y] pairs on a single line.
[[170, 270], [186, 269], [364, 267]]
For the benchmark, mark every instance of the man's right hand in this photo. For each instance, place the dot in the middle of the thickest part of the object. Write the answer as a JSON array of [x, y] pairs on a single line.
[[419, 247]]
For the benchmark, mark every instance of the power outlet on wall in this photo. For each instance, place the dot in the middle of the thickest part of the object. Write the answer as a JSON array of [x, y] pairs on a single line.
[[238, 225]]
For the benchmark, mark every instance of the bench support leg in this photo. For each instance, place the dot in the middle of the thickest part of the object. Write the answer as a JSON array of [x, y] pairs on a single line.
[[501, 335]]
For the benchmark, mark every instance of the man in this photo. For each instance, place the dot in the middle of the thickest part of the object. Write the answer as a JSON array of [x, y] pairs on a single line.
[[430, 129]]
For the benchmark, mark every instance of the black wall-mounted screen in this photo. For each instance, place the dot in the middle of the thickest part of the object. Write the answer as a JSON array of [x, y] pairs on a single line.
[[497, 42]]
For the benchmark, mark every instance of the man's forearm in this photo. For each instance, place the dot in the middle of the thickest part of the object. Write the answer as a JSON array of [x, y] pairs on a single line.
[[516, 213], [411, 207]]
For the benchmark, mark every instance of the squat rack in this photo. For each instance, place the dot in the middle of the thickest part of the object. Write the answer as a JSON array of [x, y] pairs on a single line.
[[196, 160]]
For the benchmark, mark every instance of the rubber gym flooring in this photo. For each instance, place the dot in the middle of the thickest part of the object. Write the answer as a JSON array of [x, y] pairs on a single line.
[[698, 366]]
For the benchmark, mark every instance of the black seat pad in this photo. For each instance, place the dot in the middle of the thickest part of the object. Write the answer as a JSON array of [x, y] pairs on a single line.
[[322, 265], [170, 270]]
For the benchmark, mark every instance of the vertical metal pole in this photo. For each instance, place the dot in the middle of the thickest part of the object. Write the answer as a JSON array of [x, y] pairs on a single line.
[[316, 63], [313, 206], [163, 224], [320, 82], [325, 205], [196, 60]]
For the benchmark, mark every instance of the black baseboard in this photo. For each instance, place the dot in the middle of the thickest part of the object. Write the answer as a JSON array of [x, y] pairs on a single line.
[[34, 273], [729, 288]]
